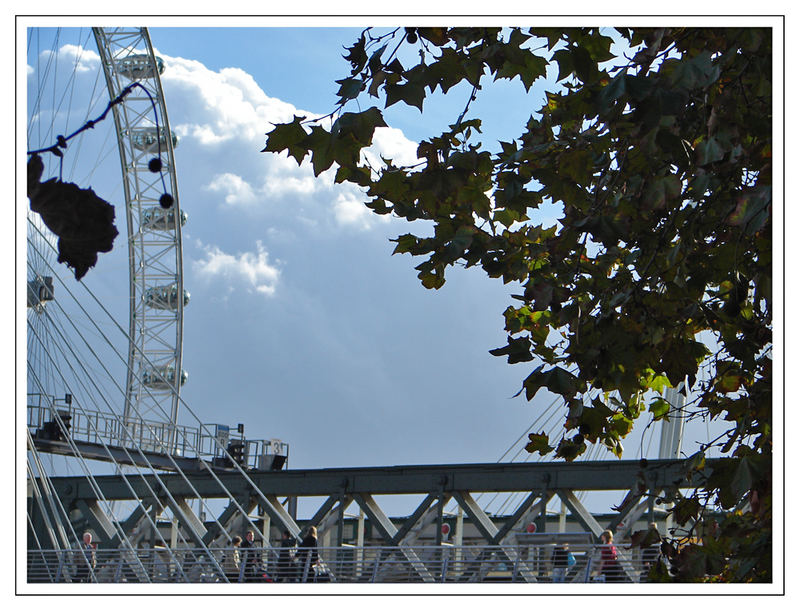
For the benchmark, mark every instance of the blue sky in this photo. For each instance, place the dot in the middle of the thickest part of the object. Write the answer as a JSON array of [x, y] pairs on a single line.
[[350, 360], [301, 324]]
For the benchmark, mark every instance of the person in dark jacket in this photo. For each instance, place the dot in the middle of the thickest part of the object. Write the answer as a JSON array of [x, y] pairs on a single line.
[[286, 571], [250, 557], [307, 554], [86, 558], [560, 559]]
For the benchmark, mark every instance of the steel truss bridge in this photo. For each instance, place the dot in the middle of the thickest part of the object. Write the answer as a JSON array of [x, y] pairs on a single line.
[[272, 495]]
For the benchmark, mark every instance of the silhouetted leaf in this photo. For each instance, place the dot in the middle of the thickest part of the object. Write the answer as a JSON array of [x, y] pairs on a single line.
[[83, 222]]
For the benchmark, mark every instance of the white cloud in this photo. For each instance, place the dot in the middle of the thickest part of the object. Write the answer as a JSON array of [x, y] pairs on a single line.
[[350, 210], [225, 106], [236, 190], [251, 268], [82, 60], [221, 118], [392, 144]]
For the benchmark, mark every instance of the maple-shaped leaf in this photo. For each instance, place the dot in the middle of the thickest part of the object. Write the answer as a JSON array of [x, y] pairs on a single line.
[[83, 222], [538, 443]]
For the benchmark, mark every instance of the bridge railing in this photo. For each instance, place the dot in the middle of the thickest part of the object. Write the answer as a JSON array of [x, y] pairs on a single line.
[[98, 427], [135, 434], [346, 564]]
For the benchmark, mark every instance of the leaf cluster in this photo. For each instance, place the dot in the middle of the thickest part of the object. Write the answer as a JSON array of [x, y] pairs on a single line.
[[658, 272]]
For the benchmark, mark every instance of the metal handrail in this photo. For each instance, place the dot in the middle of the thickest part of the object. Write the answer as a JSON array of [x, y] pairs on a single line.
[[93, 426], [346, 564]]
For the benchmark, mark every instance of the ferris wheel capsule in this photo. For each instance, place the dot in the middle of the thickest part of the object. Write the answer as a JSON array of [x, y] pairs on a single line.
[[165, 297], [147, 139], [40, 289], [163, 377], [139, 66], [162, 219]]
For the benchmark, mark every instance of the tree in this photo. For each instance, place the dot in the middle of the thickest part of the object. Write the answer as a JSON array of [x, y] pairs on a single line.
[[658, 272]]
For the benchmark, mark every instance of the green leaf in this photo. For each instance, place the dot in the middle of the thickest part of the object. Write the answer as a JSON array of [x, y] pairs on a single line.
[[412, 94], [752, 209], [320, 142], [538, 443], [359, 126], [658, 383], [375, 59], [708, 150], [696, 462], [585, 66], [518, 350], [660, 409], [562, 382], [357, 55], [614, 90], [358, 175], [570, 449], [349, 89], [432, 279], [290, 137], [437, 36], [743, 478], [620, 424]]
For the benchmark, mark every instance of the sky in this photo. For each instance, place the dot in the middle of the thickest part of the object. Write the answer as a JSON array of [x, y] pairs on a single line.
[[301, 324], [318, 335]]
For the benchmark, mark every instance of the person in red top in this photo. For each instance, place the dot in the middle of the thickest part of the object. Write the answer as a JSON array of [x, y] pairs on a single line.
[[610, 567]]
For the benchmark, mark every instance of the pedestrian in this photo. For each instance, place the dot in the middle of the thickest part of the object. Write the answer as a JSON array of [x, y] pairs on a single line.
[[610, 568], [651, 553], [250, 558], [231, 560], [285, 558], [86, 559], [560, 559], [307, 554]]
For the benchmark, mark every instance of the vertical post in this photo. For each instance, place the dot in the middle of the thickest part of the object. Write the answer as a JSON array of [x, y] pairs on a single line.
[[458, 540], [265, 528], [542, 519], [173, 538], [562, 518], [340, 537], [154, 517], [439, 519], [360, 541]]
